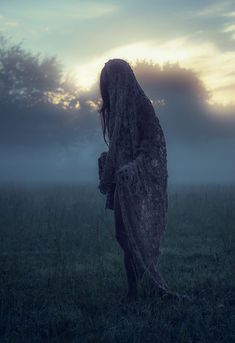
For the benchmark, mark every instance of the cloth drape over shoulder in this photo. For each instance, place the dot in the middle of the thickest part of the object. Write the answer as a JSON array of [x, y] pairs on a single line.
[[136, 163]]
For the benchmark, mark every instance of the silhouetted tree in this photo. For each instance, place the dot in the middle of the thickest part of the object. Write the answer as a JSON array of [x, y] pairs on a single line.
[[35, 98], [170, 82], [25, 77]]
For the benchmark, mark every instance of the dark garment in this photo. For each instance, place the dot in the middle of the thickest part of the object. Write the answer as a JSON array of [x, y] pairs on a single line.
[[137, 162], [123, 156], [110, 193], [123, 239], [110, 198]]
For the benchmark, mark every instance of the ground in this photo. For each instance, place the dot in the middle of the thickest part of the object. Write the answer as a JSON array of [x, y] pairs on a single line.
[[62, 275]]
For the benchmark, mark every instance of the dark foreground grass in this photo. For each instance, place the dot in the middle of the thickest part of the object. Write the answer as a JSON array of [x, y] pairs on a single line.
[[62, 273]]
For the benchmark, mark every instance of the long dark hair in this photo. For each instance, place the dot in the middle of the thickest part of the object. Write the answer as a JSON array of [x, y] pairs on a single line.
[[105, 107]]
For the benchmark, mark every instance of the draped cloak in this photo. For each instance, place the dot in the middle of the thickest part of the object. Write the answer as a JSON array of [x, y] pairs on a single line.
[[135, 166]]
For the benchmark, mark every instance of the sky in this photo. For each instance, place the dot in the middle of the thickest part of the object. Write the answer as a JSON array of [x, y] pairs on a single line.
[[199, 35]]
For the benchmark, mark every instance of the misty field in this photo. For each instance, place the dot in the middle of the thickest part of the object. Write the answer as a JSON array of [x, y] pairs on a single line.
[[62, 274]]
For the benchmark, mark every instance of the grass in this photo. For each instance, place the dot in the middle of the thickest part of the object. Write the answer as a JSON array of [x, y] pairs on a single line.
[[62, 274]]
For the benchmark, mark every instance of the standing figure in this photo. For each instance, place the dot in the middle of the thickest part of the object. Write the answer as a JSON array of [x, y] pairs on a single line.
[[133, 174]]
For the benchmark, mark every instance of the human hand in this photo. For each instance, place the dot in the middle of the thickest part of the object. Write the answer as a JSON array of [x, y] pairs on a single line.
[[102, 158], [103, 187]]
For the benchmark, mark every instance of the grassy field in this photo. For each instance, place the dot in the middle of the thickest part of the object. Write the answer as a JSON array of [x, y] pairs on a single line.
[[62, 274]]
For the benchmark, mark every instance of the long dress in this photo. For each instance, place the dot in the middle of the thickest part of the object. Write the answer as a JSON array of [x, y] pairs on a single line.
[[136, 163]]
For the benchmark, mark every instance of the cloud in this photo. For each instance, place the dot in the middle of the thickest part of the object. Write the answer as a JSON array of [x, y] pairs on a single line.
[[58, 11], [55, 27], [83, 11], [214, 66], [230, 14], [7, 23], [230, 29], [94, 10], [217, 9]]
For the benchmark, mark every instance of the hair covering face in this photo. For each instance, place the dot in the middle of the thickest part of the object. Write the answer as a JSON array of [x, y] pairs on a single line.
[[136, 163]]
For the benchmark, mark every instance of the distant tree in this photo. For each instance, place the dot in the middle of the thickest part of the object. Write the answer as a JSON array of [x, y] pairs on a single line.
[[38, 102], [25, 77], [170, 82], [179, 96], [29, 79]]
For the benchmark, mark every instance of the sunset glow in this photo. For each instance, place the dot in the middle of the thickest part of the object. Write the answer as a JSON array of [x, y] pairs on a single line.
[[212, 66], [85, 34]]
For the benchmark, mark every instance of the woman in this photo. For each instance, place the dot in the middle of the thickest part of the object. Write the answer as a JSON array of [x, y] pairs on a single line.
[[133, 175]]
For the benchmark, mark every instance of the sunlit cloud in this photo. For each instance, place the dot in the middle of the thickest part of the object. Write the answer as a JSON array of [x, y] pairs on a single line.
[[87, 74], [230, 29], [230, 14], [169, 52], [218, 8], [214, 67], [74, 32], [224, 95]]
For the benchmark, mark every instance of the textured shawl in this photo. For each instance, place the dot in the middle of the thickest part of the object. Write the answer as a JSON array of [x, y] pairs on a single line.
[[136, 164]]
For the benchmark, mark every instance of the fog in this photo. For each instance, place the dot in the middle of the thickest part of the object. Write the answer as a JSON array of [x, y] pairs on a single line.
[[43, 141], [213, 162]]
